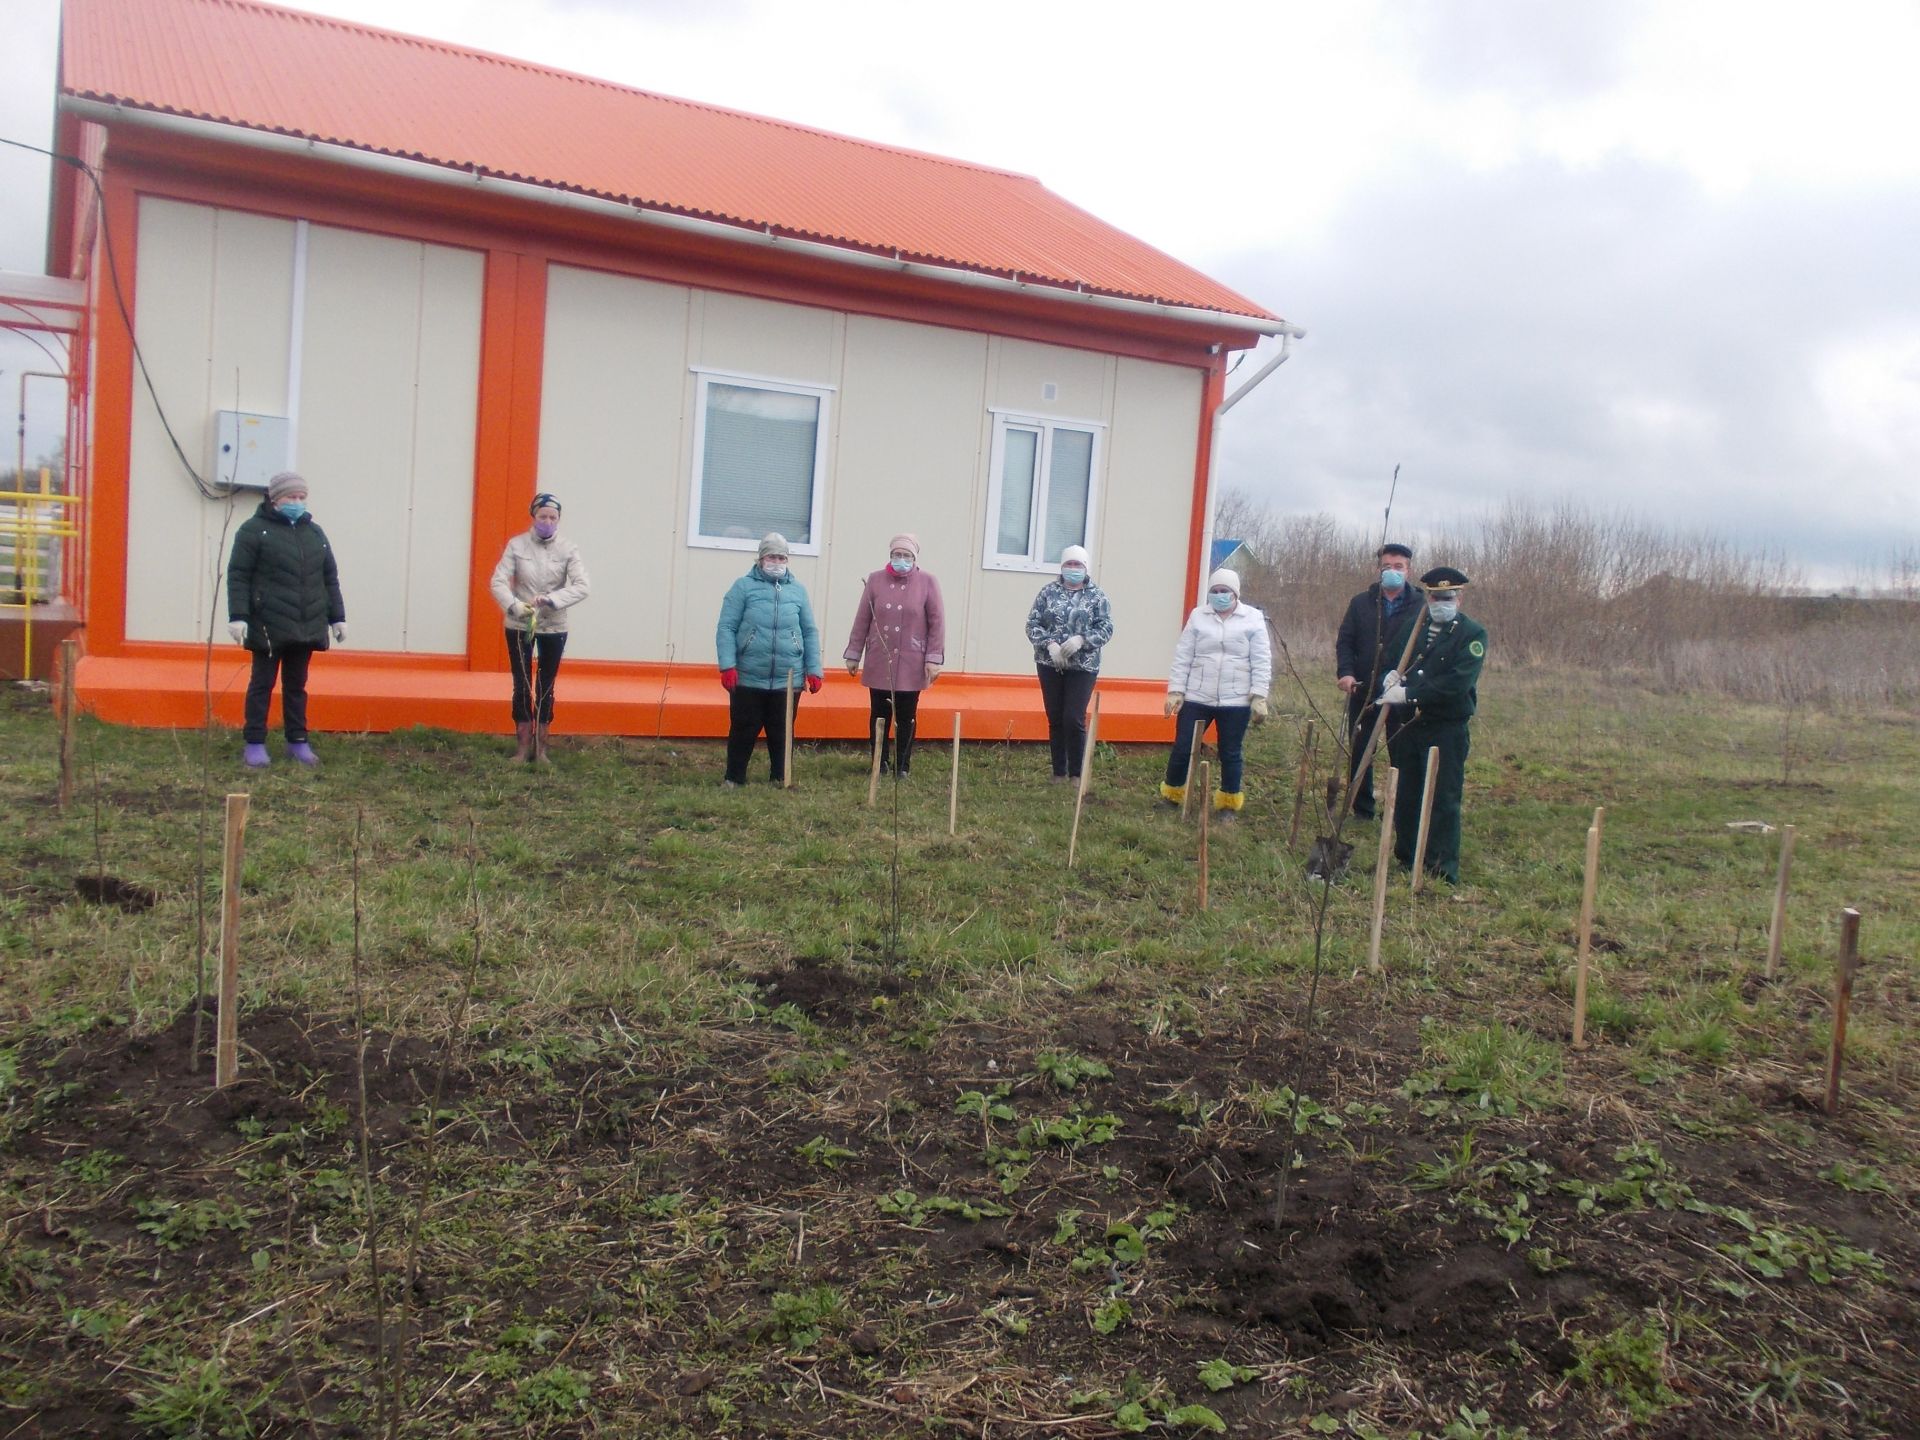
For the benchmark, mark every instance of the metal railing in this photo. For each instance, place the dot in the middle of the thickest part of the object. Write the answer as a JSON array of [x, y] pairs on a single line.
[[35, 526]]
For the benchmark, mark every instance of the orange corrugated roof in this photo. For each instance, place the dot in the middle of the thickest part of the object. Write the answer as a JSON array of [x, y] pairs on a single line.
[[242, 63]]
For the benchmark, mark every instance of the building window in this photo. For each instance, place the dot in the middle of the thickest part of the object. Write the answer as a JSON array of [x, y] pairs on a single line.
[[1041, 489], [759, 461]]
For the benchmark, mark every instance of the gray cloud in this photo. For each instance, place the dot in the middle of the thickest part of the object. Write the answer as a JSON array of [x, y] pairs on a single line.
[[1610, 335]]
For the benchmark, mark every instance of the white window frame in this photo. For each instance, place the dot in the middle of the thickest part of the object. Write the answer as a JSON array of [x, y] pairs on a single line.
[[705, 376], [1003, 420]]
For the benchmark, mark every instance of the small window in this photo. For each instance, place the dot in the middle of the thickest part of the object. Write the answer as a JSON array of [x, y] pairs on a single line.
[[759, 460], [1040, 490]]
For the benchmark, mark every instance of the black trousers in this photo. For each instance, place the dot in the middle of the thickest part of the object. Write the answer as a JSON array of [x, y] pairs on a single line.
[[1066, 694], [901, 710], [289, 663], [1453, 739], [544, 650], [1359, 727], [750, 712]]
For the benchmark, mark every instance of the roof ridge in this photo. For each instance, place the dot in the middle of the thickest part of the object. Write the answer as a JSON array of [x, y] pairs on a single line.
[[512, 62]]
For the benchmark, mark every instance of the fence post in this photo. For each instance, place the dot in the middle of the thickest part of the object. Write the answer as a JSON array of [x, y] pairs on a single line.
[[226, 1052], [1777, 934], [1847, 962]]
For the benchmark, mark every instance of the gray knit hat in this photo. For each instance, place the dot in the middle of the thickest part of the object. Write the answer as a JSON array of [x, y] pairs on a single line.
[[281, 484], [774, 544]]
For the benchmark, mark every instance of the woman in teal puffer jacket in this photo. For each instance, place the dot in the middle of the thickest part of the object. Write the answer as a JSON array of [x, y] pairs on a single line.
[[766, 633]]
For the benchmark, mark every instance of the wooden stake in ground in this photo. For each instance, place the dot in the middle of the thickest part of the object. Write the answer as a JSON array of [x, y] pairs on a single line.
[[1426, 814], [1844, 968], [1380, 869], [1086, 770], [1587, 888], [1300, 784], [226, 1045], [879, 746], [786, 766], [1777, 935], [69, 658], [1206, 811], [1193, 763], [953, 790]]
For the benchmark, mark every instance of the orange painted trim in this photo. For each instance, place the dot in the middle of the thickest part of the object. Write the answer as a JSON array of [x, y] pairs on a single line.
[[1211, 393], [350, 692], [113, 390], [507, 434], [332, 193]]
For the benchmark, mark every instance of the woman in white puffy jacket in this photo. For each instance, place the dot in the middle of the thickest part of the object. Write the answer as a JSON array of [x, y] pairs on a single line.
[[1222, 670], [539, 578]]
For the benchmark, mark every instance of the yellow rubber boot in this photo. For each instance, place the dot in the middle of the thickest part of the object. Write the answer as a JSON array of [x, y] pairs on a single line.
[[1173, 794], [1232, 802]]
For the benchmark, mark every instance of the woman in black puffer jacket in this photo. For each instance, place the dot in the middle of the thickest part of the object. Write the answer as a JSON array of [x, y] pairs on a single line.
[[283, 603]]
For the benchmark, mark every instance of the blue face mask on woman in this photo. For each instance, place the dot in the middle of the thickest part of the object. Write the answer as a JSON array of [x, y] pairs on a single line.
[[900, 565], [1220, 599], [291, 509], [1072, 576]]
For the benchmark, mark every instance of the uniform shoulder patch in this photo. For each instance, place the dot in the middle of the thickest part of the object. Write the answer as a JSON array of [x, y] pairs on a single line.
[[1476, 648]]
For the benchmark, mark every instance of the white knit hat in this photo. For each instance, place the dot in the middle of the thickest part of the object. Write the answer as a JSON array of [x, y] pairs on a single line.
[[1077, 552], [1226, 577]]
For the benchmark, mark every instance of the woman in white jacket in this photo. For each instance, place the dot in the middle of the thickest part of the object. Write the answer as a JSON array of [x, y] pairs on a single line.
[[1222, 670], [539, 578]]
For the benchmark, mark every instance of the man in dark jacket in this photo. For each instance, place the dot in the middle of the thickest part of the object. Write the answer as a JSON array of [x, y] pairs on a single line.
[[1442, 685], [283, 603], [1361, 661]]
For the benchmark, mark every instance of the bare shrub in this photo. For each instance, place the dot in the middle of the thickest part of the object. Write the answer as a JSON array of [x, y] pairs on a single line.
[[1559, 585]]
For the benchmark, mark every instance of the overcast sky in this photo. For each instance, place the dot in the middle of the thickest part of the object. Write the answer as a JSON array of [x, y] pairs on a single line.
[[1658, 258]]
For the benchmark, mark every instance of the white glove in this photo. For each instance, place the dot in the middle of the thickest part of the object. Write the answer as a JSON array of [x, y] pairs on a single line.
[[1055, 655], [1174, 699], [1390, 679], [1259, 707], [933, 671], [1394, 695], [238, 630], [517, 610], [853, 665], [1072, 646], [339, 632]]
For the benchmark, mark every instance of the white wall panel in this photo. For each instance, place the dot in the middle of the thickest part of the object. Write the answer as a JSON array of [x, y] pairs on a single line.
[[1142, 539], [389, 373], [613, 428], [211, 313], [390, 369], [909, 459]]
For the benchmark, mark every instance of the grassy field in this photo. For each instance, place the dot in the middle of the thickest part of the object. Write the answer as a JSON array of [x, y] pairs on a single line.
[[691, 1112]]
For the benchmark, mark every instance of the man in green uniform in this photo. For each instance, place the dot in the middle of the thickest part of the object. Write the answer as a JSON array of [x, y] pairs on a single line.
[[1440, 686]]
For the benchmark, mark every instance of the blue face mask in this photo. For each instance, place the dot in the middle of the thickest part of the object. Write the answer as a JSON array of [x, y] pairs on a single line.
[[900, 565], [774, 569], [1392, 580], [291, 509], [1443, 610], [1220, 599], [1072, 576]]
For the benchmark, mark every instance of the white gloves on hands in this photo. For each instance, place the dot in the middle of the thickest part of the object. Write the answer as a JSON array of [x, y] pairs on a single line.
[[1390, 679], [853, 666], [339, 632], [1055, 656], [238, 630], [517, 610], [1072, 646], [1259, 706], [933, 672], [1174, 700], [1394, 695]]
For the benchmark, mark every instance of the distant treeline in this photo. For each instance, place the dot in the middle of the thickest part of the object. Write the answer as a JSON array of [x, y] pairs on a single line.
[[1563, 586]]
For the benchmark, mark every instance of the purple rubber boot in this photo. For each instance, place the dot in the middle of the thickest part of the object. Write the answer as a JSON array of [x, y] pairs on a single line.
[[256, 757], [301, 751]]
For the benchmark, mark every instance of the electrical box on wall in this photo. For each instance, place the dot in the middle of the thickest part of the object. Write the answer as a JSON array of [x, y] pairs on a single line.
[[248, 450]]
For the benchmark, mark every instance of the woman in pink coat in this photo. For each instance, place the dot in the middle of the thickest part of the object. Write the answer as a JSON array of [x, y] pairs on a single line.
[[900, 627]]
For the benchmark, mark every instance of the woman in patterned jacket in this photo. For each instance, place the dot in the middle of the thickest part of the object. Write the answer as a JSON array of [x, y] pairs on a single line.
[[1069, 625]]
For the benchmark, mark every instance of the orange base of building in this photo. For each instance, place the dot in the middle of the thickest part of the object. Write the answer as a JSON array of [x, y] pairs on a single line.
[[166, 686]]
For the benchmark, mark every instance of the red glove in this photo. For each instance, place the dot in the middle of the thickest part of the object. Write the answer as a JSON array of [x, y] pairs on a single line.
[[813, 684], [729, 678]]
